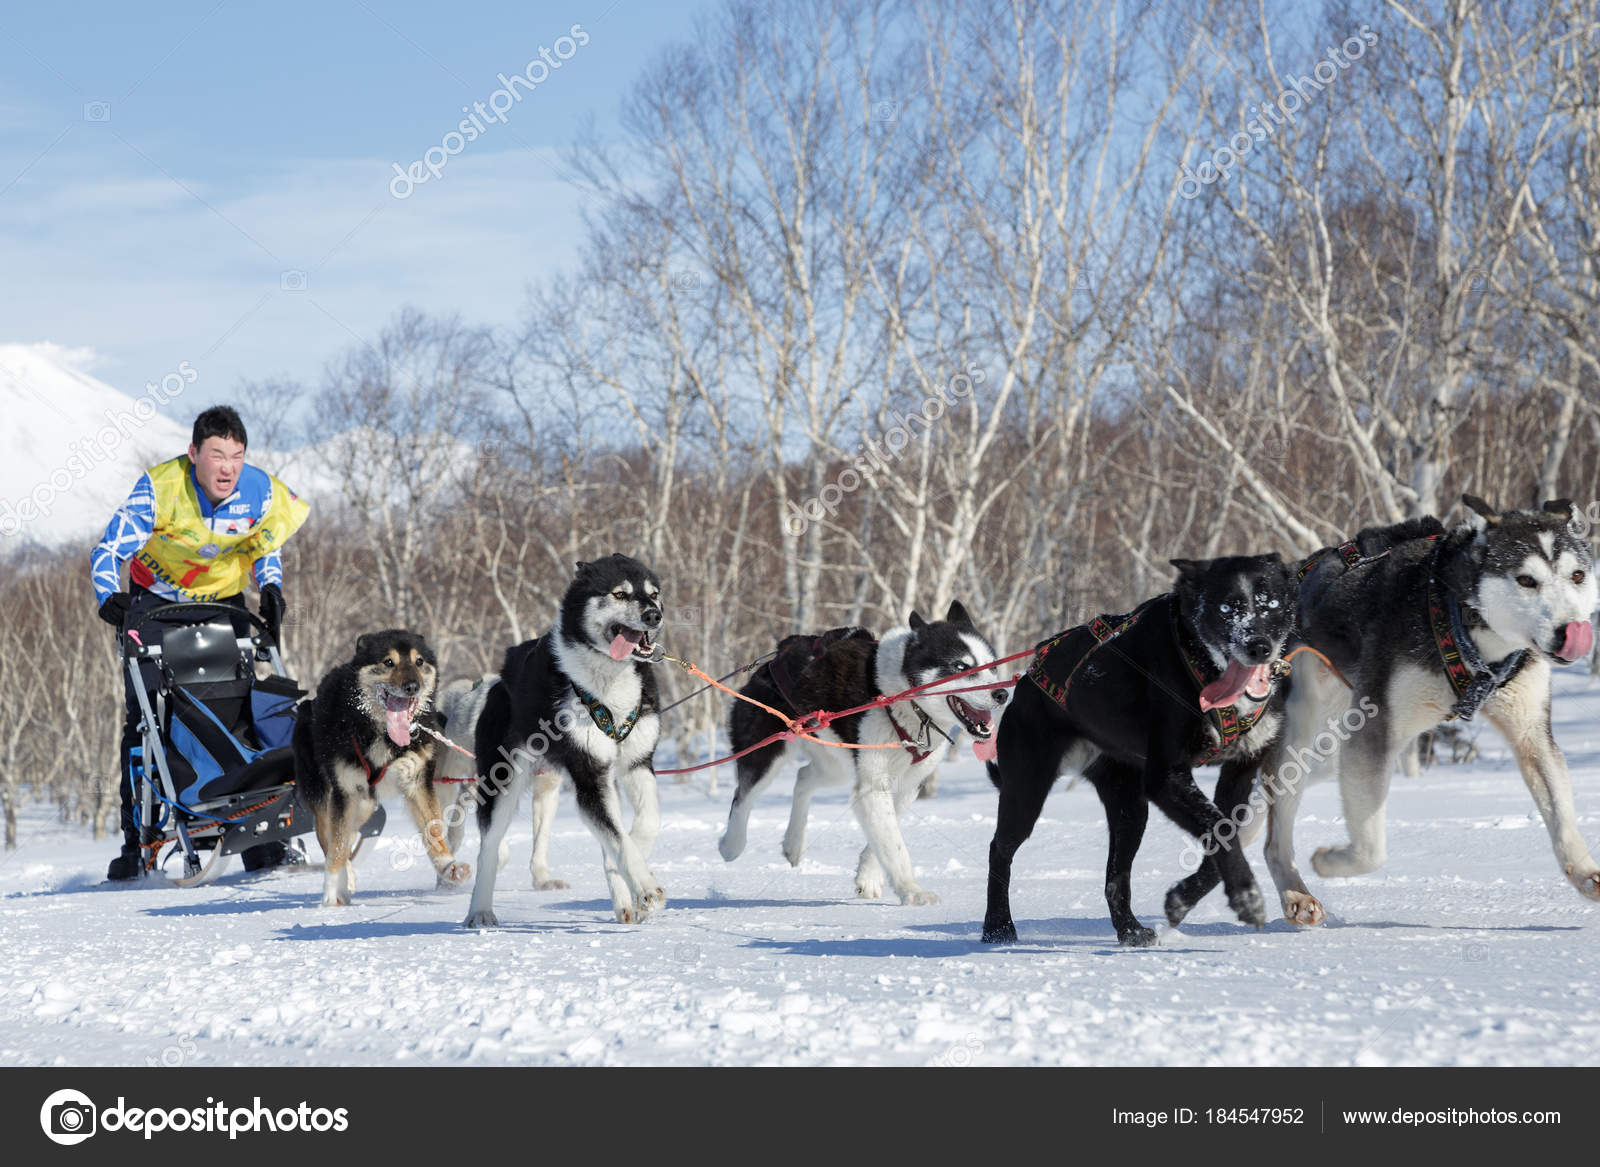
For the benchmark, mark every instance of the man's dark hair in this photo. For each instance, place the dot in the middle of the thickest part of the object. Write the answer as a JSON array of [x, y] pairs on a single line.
[[220, 421]]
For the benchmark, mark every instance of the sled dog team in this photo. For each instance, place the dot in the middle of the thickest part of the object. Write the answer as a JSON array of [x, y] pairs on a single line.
[[1283, 674]]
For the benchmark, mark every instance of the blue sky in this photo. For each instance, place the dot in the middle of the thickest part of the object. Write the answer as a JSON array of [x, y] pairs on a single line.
[[163, 166]]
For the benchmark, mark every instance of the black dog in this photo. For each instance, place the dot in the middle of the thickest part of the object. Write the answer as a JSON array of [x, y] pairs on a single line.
[[1135, 702]]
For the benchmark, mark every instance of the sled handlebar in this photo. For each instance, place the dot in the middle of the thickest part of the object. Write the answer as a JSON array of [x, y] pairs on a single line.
[[131, 645]]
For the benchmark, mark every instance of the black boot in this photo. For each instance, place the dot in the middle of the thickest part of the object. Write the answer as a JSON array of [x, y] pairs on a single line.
[[128, 865], [274, 855]]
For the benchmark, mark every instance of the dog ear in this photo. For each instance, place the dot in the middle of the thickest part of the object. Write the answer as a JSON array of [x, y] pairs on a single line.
[[1272, 557], [1461, 556], [958, 615], [582, 563], [916, 620], [1187, 566], [1560, 506], [1482, 509], [361, 644]]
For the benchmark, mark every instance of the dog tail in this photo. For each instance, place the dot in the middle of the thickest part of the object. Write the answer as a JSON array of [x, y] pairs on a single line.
[[493, 723]]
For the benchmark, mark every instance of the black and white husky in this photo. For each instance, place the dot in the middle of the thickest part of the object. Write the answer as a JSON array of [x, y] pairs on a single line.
[[912, 735], [1134, 702], [1429, 626], [356, 740], [580, 703]]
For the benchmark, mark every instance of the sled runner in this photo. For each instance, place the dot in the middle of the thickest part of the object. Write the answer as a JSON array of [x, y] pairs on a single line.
[[215, 771]]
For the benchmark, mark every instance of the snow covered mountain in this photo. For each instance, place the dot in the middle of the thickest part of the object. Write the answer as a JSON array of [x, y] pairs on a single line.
[[71, 446]]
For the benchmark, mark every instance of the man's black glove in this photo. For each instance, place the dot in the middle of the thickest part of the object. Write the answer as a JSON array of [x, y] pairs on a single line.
[[272, 609], [115, 609]]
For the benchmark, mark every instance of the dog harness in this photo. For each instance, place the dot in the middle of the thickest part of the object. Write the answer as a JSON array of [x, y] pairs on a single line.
[[366, 766], [1347, 551], [779, 667], [924, 734], [1473, 680], [602, 715], [1045, 668]]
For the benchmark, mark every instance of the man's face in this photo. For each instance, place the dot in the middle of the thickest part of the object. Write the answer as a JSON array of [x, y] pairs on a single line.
[[217, 464]]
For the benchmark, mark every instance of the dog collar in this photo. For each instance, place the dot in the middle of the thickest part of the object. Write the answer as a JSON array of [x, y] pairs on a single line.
[[602, 715], [1473, 680]]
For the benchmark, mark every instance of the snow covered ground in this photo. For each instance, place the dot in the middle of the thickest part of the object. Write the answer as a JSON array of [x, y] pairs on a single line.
[[1468, 949]]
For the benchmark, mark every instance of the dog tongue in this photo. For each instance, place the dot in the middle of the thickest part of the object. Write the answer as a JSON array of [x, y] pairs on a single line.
[[1579, 641], [622, 646], [985, 748], [399, 721], [1228, 688]]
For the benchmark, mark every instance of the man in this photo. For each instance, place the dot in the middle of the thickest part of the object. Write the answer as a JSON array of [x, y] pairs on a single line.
[[197, 527]]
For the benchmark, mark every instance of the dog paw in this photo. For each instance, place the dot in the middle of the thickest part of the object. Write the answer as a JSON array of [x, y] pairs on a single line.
[[1005, 933], [654, 901], [1177, 907], [1249, 907], [730, 848], [1140, 937], [794, 851], [454, 875], [917, 898], [1588, 884], [869, 889], [334, 900], [548, 884], [1303, 909], [483, 919]]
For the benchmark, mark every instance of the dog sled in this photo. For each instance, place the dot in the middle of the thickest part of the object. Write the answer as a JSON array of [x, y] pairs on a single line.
[[215, 770]]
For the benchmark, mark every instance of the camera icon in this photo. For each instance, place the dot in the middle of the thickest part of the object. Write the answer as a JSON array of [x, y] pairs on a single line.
[[97, 111], [1274, 449], [293, 280], [885, 111], [1476, 953], [68, 1117], [685, 617], [686, 281]]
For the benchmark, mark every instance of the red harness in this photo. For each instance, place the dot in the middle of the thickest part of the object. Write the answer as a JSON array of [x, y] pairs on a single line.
[[909, 741], [366, 765]]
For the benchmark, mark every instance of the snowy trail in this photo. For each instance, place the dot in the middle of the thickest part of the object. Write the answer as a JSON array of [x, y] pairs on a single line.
[[1469, 948]]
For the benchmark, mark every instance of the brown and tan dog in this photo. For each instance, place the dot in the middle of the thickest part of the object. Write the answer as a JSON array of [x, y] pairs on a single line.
[[358, 737]]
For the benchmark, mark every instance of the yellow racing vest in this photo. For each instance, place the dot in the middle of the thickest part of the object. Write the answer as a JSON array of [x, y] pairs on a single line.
[[190, 554]]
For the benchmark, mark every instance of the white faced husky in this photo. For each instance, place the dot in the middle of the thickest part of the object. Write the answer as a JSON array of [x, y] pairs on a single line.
[[837, 672], [1430, 626]]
